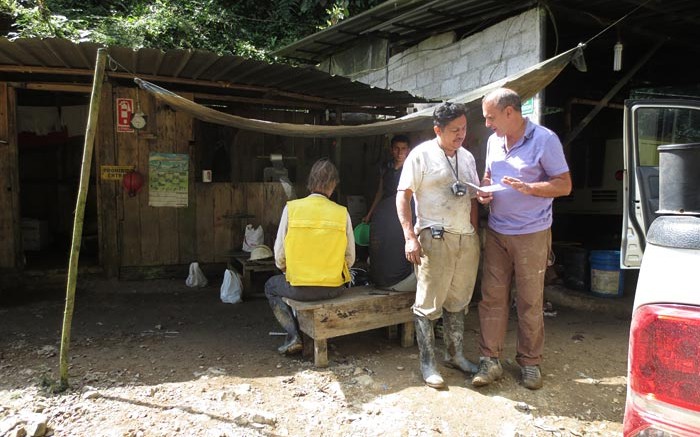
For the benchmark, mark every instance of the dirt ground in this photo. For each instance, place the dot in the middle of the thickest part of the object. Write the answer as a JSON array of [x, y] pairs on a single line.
[[157, 358]]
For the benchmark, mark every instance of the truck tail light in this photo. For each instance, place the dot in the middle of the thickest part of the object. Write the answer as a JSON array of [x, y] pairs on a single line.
[[664, 372]]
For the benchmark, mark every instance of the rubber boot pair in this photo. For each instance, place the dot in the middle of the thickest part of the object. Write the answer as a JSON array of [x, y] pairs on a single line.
[[453, 335], [284, 316], [426, 347]]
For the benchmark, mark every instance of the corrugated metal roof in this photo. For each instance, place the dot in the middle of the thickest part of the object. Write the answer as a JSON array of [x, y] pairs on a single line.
[[196, 70], [406, 22]]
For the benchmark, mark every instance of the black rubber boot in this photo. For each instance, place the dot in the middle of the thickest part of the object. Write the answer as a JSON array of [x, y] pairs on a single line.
[[284, 316], [426, 347], [453, 324]]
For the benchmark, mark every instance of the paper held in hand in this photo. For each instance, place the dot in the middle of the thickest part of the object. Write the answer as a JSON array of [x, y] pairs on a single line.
[[487, 188]]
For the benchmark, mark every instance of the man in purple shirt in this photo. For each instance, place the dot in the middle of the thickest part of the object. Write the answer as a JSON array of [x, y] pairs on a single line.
[[528, 163]]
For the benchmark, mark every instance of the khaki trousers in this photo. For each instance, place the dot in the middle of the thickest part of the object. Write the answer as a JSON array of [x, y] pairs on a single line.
[[447, 273], [525, 257]]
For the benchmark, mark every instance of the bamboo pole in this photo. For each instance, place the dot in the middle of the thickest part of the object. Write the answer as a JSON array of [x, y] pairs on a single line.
[[80, 213]]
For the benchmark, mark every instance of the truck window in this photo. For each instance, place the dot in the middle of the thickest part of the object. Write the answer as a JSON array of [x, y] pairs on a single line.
[[658, 126], [649, 123]]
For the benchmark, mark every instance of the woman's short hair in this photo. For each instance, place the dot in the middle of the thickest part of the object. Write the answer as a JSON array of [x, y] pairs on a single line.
[[323, 176]]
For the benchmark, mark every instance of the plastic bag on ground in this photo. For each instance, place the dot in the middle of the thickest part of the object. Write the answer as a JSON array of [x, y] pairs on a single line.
[[231, 288], [253, 237], [196, 277]]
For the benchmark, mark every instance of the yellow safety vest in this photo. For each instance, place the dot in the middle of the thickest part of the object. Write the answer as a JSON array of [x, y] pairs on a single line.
[[315, 243]]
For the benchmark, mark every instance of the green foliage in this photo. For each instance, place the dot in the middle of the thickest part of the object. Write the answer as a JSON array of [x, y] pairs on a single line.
[[250, 28]]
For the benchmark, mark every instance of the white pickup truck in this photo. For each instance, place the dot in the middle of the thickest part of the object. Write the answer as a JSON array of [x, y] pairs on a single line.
[[663, 391]]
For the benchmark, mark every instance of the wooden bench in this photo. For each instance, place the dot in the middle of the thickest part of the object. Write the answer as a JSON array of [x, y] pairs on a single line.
[[358, 309]]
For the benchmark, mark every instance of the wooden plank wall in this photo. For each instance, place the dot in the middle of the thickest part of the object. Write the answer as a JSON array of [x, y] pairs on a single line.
[[211, 225], [207, 229], [107, 191], [10, 246], [221, 208], [154, 236], [251, 150], [129, 208]]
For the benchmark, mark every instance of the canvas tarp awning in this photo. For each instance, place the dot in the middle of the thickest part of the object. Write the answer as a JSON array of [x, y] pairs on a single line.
[[527, 83]]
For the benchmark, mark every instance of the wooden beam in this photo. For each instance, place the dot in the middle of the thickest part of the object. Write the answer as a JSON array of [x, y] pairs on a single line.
[[72, 276], [393, 111], [107, 191], [11, 256], [55, 87], [302, 98]]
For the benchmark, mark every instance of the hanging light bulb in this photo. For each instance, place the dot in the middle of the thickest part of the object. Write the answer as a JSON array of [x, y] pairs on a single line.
[[617, 58]]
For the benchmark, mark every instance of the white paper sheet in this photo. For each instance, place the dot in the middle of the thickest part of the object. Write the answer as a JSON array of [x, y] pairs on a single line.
[[488, 188]]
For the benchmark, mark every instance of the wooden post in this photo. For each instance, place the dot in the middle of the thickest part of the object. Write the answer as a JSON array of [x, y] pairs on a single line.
[[80, 212]]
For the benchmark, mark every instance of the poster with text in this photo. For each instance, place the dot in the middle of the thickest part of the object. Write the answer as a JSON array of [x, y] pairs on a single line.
[[168, 179]]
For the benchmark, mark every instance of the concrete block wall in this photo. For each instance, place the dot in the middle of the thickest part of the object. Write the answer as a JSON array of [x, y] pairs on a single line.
[[441, 67]]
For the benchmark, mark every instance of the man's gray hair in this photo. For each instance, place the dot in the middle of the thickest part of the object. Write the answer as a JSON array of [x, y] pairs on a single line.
[[504, 97]]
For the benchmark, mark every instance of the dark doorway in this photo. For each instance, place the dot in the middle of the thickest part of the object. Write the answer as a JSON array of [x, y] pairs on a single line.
[[51, 133]]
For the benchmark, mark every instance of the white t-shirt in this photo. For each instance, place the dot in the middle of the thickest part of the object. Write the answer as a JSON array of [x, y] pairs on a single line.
[[430, 174]]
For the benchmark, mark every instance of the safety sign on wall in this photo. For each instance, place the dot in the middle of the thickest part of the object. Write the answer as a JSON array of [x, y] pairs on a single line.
[[114, 172], [125, 110]]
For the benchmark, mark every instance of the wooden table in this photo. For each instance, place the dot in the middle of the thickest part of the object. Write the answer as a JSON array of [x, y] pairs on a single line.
[[240, 261]]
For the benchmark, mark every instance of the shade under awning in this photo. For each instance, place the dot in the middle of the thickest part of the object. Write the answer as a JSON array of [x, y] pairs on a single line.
[[526, 83]]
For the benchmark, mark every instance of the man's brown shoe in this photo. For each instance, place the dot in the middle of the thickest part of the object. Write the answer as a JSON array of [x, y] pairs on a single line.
[[490, 370], [532, 377]]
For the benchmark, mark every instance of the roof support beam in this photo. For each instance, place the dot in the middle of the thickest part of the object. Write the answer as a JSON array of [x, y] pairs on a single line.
[[300, 98]]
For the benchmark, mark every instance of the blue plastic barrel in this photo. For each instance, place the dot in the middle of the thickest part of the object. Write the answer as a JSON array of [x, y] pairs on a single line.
[[606, 278]]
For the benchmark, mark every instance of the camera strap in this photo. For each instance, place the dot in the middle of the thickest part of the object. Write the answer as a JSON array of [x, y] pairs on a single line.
[[455, 169]]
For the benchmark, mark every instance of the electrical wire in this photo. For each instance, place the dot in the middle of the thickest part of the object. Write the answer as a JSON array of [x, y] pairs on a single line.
[[554, 26], [619, 20]]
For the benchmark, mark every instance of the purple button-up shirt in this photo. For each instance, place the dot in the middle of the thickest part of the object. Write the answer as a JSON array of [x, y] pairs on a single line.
[[536, 157]]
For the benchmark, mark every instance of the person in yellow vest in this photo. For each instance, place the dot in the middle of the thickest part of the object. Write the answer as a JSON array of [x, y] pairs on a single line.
[[315, 248]]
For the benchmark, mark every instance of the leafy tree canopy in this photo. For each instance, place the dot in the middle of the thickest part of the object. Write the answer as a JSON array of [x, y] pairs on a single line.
[[250, 28]]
